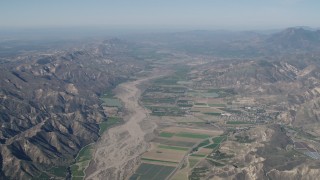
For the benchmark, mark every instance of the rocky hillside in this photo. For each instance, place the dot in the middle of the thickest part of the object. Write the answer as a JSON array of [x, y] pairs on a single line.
[[49, 104]]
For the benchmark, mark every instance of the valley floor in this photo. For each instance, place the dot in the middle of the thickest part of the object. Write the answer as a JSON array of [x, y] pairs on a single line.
[[117, 152]]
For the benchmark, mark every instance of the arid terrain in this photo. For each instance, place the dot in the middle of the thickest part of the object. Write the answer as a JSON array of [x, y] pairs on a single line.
[[191, 105]]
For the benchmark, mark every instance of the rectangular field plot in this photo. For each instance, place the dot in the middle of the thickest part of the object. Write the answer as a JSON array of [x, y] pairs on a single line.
[[192, 135], [159, 161], [217, 105], [212, 113], [112, 102], [203, 94], [166, 134], [166, 111], [164, 156], [152, 172], [170, 142], [173, 148]]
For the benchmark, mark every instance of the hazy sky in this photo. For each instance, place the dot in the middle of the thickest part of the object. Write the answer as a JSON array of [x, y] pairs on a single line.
[[191, 14]]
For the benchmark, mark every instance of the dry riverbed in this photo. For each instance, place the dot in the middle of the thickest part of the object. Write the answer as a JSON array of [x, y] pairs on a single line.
[[117, 152]]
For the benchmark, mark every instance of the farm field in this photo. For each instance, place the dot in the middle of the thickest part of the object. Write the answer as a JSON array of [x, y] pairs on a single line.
[[206, 132], [166, 153], [169, 142], [152, 172], [111, 121], [191, 136], [111, 102]]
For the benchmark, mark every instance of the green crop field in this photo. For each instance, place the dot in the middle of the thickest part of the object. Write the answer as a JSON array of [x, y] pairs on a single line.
[[166, 134], [192, 135], [82, 161], [111, 121], [77, 171], [152, 172], [218, 139], [173, 148], [212, 113], [204, 143], [198, 155], [112, 102], [85, 153], [212, 146], [201, 104]]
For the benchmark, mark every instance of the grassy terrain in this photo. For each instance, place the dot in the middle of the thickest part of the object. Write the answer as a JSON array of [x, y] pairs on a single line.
[[112, 102], [219, 139], [82, 161], [198, 155], [192, 135], [193, 162], [59, 171], [204, 143], [152, 172], [85, 153], [212, 113], [201, 104], [174, 143], [212, 146], [42, 176], [166, 134], [109, 123], [173, 148], [216, 142]]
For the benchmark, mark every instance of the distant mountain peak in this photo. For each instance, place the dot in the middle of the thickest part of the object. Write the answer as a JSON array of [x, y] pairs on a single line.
[[295, 38]]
